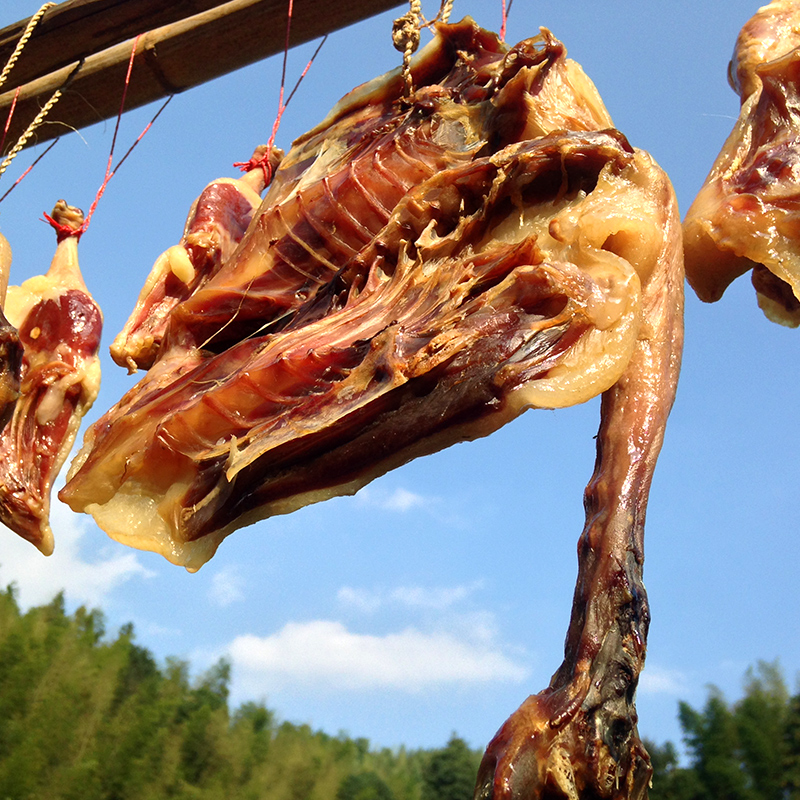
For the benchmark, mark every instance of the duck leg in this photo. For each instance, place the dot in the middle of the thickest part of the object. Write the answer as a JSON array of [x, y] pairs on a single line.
[[578, 737]]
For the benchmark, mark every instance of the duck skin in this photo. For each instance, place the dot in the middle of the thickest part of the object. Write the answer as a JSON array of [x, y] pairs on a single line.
[[59, 328], [422, 270], [10, 347], [216, 223], [337, 188], [746, 216], [578, 737]]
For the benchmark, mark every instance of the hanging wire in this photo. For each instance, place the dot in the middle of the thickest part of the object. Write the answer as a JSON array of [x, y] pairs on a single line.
[[109, 171], [505, 12], [264, 160], [37, 121], [67, 230], [33, 164], [8, 119]]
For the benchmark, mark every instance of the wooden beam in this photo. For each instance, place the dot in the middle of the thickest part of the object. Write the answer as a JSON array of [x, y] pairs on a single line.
[[85, 46], [78, 29]]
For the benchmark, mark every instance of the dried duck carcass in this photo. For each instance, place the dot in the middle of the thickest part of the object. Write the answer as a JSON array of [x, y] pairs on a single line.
[[746, 216], [10, 347], [59, 328], [214, 227], [423, 269]]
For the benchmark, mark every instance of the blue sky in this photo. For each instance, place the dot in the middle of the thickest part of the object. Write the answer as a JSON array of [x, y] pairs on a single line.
[[438, 598]]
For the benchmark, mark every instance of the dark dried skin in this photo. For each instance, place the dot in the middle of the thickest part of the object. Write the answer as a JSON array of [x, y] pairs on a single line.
[[10, 365], [336, 379], [747, 214], [479, 260], [578, 738], [59, 329], [340, 183], [10, 347]]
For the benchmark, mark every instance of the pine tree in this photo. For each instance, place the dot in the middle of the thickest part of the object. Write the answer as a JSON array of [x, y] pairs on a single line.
[[450, 772], [761, 718], [791, 764], [713, 742], [363, 786]]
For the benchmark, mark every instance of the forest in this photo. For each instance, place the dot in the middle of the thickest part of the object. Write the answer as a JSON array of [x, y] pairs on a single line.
[[87, 716]]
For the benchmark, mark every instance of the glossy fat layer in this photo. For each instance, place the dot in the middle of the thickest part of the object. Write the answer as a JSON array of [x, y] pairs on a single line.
[[747, 213], [510, 282], [59, 330], [420, 272]]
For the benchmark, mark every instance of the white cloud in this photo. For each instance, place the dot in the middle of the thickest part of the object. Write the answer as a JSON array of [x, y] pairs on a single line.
[[89, 582], [437, 598], [227, 587], [325, 653], [399, 500], [360, 599], [658, 680], [403, 500]]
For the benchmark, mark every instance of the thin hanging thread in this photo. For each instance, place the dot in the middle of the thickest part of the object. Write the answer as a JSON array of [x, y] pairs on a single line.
[[505, 11], [8, 118], [263, 162], [140, 136], [63, 230], [305, 71], [37, 121], [109, 172], [35, 162]]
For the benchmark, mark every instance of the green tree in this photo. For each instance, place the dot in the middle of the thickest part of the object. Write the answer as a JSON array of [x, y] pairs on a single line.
[[450, 772], [363, 786], [761, 719], [670, 781], [791, 766], [205, 714], [713, 741]]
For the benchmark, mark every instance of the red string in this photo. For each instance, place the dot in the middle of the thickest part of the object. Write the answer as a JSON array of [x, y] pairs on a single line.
[[109, 171], [140, 136], [63, 231], [263, 162], [8, 119], [504, 12], [35, 162], [305, 71]]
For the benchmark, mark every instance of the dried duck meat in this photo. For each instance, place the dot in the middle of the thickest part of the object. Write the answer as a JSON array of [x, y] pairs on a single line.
[[334, 203], [747, 213], [338, 186], [59, 327], [10, 347], [216, 224], [421, 271]]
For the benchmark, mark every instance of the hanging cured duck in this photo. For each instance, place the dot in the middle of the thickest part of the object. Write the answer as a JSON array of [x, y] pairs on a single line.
[[446, 249], [59, 328], [746, 216]]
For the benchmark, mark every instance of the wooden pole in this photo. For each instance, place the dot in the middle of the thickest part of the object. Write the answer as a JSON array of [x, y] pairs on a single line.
[[185, 52], [77, 29]]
